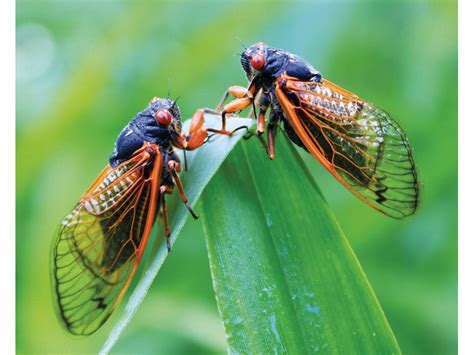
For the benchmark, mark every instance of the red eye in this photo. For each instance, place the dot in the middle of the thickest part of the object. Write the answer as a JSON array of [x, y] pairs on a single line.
[[257, 61], [163, 117]]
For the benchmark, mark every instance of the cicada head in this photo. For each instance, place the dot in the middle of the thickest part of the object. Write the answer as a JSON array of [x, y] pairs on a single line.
[[167, 114], [254, 59], [264, 62]]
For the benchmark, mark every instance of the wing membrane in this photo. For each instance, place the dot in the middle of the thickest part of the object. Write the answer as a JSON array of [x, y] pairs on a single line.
[[100, 243], [360, 144]]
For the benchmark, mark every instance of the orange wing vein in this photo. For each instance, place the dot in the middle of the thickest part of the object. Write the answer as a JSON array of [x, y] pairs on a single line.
[[358, 143], [99, 244]]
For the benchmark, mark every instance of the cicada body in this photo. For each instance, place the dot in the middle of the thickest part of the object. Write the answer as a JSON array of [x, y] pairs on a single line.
[[100, 243], [357, 142]]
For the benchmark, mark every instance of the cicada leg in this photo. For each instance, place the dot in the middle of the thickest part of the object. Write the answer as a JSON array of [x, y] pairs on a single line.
[[197, 133], [195, 140], [244, 97], [184, 198], [263, 105], [272, 129], [238, 92], [164, 189]]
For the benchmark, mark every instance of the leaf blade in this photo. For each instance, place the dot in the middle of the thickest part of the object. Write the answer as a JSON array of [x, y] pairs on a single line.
[[294, 283]]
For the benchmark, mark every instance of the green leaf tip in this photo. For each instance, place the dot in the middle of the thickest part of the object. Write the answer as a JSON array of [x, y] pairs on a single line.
[[285, 277]]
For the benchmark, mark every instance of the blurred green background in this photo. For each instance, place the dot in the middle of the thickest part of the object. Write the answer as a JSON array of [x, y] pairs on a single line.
[[84, 68]]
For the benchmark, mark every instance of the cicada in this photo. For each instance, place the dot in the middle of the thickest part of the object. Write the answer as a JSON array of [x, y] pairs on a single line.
[[356, 141], [100, 243]]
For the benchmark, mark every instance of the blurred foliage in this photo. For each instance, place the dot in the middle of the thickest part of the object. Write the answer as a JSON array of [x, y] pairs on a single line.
[[84, 68]]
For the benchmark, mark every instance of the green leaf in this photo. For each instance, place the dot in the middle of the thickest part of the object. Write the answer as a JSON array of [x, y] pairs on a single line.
[[285, 277], [202, 165]]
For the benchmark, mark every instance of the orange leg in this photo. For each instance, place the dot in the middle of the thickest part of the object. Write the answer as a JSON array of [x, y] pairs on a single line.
[[244, 98], [197, 133], [232, 107], [173, 167], [261, 128], [270, 146], [261, 120], [271, 140], [184, 198], [236, 91], [163, 190]]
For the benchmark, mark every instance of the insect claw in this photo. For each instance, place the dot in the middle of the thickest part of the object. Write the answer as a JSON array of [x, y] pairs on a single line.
[[225, 132], [195, 216], [211, 111], [209, 137], [168, 243], [239, 128], [248, 135]]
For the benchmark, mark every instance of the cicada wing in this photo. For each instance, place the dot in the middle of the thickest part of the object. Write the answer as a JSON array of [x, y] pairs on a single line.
[[360, 144], [99, 245]]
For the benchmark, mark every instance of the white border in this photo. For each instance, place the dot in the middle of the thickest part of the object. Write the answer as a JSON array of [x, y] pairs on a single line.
[[466, 176], [7, 182]]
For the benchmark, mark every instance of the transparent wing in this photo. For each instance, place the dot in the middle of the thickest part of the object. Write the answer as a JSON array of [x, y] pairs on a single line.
[[99, 245], [360, 144]]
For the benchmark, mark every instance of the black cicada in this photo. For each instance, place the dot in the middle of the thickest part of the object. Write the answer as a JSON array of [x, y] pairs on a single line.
[[99, 244], [359, 143]]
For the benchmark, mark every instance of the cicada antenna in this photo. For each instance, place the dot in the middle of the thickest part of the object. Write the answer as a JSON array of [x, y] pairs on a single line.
[[241, 42], [169, 89], [175, 101]]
